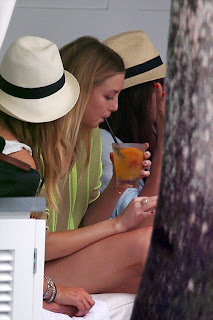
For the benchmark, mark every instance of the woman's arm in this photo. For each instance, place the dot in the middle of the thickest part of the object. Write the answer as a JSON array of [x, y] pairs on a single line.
[[102, 208], [64, 243], [22, 155], [152, 183], [68, 300]]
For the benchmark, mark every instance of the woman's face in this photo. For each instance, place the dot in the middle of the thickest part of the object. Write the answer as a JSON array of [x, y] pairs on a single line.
[[103, 101]]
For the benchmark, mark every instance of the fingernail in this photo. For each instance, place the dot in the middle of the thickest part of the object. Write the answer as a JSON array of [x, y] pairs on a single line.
[[145, 162], [153, 211], [147, 153], [163, 94], [156, 85]]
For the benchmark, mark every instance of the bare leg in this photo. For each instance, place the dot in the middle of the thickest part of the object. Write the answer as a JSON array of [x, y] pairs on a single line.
[[113, 264]]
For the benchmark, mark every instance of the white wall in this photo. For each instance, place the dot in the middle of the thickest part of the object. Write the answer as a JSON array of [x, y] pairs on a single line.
[[64, 20]]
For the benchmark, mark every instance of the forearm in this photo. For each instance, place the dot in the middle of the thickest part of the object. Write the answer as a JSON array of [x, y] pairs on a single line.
[[152, 184], [101, 209], [64, 243]]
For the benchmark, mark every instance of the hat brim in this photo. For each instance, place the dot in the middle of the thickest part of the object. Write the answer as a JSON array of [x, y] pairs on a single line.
[[154, 74], [45, 109]]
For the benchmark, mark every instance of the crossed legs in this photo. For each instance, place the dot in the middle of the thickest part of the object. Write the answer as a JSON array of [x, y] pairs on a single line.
[[114, 264]]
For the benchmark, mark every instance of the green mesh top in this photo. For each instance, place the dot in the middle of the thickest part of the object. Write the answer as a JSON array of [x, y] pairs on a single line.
[[77, 193]]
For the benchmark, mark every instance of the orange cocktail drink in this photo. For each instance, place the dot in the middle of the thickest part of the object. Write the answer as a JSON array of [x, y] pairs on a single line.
[[128, 161]]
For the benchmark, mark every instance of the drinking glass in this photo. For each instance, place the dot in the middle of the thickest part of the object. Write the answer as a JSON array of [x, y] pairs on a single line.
[[128, 162]]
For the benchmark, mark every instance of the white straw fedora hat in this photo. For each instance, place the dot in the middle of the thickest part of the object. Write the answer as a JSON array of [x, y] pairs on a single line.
[[34, 86], [141, 59]]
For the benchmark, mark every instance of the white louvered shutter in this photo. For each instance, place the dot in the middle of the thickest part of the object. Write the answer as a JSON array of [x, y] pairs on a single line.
[[6, 283], [21, 276]]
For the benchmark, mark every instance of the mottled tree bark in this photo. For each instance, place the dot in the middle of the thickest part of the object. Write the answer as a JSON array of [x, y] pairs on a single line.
[[178, 279]]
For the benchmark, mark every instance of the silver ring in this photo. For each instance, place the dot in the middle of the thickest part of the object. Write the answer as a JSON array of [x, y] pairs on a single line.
[[144, 201]]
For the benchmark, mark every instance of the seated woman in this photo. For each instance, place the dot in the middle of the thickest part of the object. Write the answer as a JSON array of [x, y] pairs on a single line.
[[29, 105], [88, 256], [140, 115]]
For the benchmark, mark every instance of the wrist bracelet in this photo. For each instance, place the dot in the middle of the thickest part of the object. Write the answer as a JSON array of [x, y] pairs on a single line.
[[48, 288], [54, 293], [50, 284]]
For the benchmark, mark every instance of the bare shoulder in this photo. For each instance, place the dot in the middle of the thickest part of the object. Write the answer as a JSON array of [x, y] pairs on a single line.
[[24, 156]]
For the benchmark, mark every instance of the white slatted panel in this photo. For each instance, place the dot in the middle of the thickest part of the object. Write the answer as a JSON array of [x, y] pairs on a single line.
[[5, 287], [6, 283], [4, 316]]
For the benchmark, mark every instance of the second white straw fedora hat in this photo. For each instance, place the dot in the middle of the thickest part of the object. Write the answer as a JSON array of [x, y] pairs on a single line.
[[34, 86], [142, 61]]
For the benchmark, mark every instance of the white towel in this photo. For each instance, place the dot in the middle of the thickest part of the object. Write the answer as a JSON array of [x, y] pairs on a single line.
[[98, 312]]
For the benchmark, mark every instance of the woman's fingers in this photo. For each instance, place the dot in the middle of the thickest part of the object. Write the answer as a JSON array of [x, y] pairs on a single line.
[[147, 163], [159, 90], [84, 304], [136, 211], [146, 214], [147, 155], [77, 297], [85, 307], [81, 309], [60, 308], [146, 145], [91, 301], [148, 203], [145, 173], [160, 95]]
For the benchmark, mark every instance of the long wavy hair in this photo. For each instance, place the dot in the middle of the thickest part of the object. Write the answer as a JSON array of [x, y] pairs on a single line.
[[91, 62], [50, 141]]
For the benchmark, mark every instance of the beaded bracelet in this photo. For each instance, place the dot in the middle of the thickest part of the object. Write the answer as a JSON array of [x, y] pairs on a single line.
[[48, 288], [50, 284], [54, 293]]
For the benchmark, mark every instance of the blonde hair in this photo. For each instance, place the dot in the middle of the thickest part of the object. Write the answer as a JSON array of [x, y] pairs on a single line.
[[49, 145], [91, 62]]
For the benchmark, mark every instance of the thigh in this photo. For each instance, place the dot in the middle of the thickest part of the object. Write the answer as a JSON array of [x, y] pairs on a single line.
[[113, 264]]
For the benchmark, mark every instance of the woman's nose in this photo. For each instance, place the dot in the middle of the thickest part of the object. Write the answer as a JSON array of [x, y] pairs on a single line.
[[114, 105]]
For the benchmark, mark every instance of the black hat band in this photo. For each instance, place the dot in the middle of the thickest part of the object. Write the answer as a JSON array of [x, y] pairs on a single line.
[[143, 67], [31, 93]]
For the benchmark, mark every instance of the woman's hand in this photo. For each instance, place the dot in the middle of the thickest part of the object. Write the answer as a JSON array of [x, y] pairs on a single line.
[[77, 297], [138, 209], [72, 301], [146, 163]]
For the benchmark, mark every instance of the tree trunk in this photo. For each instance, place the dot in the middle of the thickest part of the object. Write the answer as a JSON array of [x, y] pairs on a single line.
[[177, 281]]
